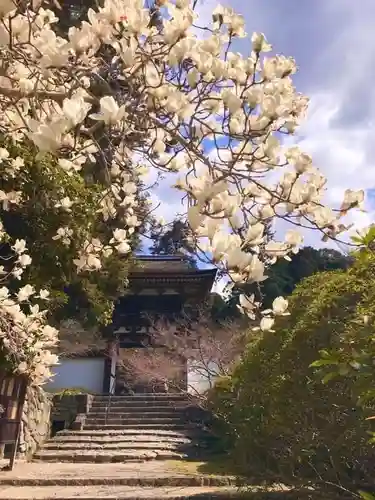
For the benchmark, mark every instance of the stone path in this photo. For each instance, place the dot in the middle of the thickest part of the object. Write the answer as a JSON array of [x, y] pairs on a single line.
[[113, 492], [131, 474], [148, 480], [145, 481]]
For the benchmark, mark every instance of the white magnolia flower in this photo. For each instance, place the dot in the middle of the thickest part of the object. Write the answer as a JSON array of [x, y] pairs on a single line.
[[44, 294], [4, 293], [110, 113], [49, 333], [159, 146], [65, 203], [47, 137], [248, 305], [352, 199], [260, 43], [75, 110], [93, 262], [69, 166], [301, 161], [266, 324], [64, 234], [123, 247], [293, 238], [25, 293], [256, 270], [19, 246], [22, 367], [254, 235], [279, 306], [119, 235], [24, 260], [4, 154]]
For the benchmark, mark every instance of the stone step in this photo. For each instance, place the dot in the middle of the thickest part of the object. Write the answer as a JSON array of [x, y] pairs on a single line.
[[120, 433], [136, 409], [114, 445], [143, 397], [103, 440], [106, 456], [138, 426], [146, 474], [107, 492], [141, 403], [179, 394], [129, 421], [142, 415]]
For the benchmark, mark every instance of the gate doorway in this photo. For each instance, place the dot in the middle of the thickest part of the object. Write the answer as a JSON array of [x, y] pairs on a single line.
[[149, 370]]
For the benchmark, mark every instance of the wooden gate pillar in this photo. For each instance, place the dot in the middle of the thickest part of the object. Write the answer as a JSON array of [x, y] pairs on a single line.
[[12, 398], [110, 365]]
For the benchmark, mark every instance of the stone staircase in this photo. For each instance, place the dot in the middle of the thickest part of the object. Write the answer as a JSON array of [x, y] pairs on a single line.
[[141, 411], [127, 428]]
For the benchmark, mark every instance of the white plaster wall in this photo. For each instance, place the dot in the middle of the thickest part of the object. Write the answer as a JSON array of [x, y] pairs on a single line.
[[200, 377], [83, 373]]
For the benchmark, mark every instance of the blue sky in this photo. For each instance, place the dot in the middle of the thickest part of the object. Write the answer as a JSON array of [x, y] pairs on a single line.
[[334, 46]]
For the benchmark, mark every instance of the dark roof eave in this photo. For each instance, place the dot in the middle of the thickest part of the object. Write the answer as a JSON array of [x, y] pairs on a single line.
[[100, 353], [199, 273]]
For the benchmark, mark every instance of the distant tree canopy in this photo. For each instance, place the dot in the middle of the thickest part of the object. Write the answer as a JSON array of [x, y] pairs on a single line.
[[73, 12], [284, 276], [173, 240]]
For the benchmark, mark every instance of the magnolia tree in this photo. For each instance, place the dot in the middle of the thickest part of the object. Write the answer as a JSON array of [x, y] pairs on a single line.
[[131, 95]]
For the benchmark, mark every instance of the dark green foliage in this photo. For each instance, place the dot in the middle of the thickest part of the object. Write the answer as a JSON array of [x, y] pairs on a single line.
[[72, 13], [88, 296], [284, 420], [173, 240], [285, 275]]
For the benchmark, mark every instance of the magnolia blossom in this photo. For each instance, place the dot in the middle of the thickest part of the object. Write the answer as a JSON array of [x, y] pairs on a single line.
[[248, 306], [24, 260], [66, 204], [25, 292], [44, 294], [352, 199], [110, 113], [266, 324], [64, 234], [279, 306], [19, 246], [119, 238], [75, 110]]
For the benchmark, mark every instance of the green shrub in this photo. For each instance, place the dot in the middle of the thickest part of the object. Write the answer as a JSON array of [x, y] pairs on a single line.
[[284, 422], [71, 391]]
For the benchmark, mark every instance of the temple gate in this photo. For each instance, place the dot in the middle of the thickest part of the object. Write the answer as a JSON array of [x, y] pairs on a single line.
[[160, 288]]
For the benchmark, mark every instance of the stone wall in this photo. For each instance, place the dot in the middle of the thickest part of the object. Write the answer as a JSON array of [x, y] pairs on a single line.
[[35, 425]]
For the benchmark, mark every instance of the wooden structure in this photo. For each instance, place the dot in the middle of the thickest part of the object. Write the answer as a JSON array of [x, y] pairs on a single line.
[[12, 398], [159, 287]]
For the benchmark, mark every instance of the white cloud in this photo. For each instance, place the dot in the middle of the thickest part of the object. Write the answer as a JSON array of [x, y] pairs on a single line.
[[340, 153]]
